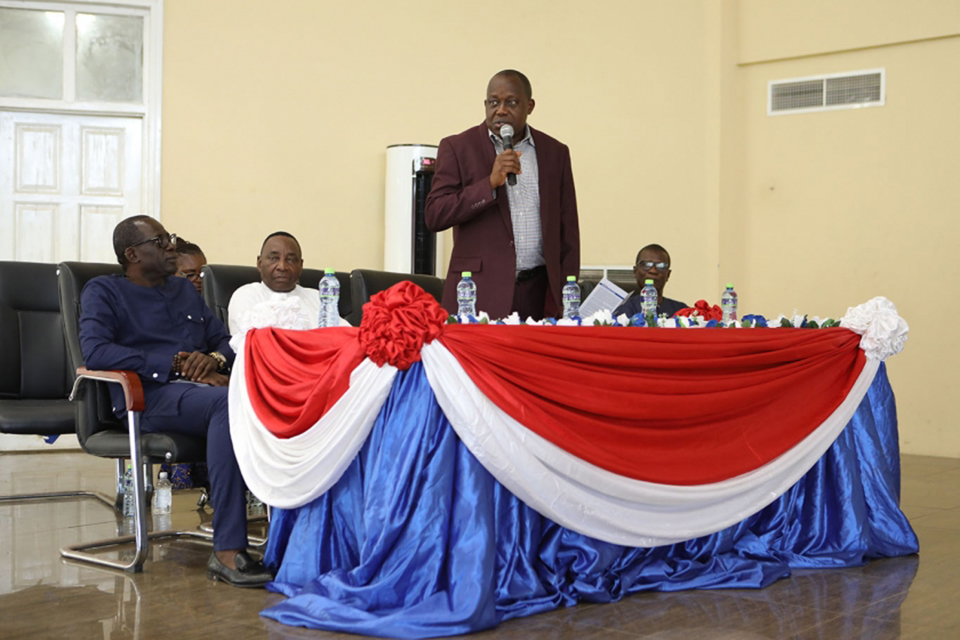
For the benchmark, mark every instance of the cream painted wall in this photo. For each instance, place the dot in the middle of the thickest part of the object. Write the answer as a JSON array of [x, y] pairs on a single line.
[[279, 117], [841, 206], [777, 29]]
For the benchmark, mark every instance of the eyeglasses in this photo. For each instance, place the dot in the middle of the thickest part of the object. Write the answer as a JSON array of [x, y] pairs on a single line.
[[495, 104], [192, 277], [163, 241], [646, 265]]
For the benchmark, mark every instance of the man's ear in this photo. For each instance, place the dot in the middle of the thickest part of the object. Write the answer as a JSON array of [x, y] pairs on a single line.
[[531, 104], [130, 253]]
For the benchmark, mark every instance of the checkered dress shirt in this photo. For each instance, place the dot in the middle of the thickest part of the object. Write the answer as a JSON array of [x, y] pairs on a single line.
[[524, 199]]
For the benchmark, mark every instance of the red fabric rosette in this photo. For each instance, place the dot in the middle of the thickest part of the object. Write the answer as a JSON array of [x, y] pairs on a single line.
[[397, 323], [703, 309]]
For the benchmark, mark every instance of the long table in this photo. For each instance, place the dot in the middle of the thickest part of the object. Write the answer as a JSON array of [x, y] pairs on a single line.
[[399, 487]]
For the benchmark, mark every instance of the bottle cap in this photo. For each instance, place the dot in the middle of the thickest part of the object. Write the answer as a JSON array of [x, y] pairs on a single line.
[[729, 286], [329, 271], [571, 278], [163, 475], [648, 281], [466, 274]]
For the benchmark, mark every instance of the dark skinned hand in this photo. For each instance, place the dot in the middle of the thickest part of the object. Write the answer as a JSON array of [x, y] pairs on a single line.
[[196, 365], [216, 380], [506, 162]]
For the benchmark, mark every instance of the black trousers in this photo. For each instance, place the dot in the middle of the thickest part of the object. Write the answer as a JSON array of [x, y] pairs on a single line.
[[530, 293]]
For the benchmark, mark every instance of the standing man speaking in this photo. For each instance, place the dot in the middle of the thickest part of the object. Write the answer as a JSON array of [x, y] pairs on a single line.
[[509, 195]]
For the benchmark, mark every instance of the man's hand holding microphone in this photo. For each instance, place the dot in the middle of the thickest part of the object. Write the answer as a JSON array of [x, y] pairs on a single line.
[[507, 164]]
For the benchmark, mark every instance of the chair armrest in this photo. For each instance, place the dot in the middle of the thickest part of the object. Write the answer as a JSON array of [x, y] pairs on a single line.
[[128, 380]]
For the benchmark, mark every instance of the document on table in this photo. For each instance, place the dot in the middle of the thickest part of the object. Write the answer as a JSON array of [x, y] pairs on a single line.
[[605, 295]]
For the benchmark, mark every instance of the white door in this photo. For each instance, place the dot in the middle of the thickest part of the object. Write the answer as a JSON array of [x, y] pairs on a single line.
[[65, 182]]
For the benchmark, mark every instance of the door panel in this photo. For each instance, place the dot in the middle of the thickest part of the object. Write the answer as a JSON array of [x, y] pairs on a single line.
[[65, 182]]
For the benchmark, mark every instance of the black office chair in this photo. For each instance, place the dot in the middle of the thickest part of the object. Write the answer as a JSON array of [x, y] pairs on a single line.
[[102, 434], [586, 288], [366, 282], [221, 280], [34, 378]]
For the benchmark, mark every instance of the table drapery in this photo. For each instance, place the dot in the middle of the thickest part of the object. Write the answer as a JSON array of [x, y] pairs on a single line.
[[501, 475]]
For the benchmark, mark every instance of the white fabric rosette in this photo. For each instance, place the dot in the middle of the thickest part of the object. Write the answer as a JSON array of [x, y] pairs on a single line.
[[881, 328]]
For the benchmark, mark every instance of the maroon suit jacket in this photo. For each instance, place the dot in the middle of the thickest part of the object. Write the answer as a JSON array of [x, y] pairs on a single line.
[[482, 229]]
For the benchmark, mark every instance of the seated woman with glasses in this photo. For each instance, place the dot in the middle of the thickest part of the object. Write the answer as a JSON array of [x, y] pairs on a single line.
[[653, 263], [190, 260]]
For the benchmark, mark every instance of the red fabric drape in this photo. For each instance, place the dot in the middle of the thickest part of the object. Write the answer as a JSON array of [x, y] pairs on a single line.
[[294, 377], [672, 406]]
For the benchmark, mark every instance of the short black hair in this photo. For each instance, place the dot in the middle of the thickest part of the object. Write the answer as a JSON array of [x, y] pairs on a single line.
[[126, 234], [652, 247], [513, 73], [187, 248], [280, 233]]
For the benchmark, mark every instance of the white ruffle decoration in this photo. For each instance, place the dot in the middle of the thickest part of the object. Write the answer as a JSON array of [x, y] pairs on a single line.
[[882, 329], [282, 313]]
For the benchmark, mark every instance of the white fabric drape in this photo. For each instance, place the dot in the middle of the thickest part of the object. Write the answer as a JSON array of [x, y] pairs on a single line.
[[291, 472]]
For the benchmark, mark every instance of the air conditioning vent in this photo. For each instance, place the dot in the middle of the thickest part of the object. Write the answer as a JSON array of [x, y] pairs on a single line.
[[826, 93], [797, 95]]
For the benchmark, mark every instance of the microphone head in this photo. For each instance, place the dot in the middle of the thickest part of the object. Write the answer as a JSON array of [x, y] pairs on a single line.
[[506, 131]]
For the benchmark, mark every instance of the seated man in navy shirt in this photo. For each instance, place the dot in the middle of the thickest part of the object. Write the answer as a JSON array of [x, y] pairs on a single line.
[[155, 324], [653, 263]]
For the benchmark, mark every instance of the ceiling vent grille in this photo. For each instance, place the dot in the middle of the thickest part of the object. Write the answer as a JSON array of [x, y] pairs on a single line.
[[826, 93]]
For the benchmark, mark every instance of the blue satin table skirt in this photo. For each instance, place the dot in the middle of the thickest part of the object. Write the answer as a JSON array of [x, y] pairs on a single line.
[[418, 540]]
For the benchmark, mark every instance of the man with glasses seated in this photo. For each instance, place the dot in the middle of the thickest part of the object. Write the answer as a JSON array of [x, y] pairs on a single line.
[[280, 264], [153, 323], [653, 263], [190, 261]]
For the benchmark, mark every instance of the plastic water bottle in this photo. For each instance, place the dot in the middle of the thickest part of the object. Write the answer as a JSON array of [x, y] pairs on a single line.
[[467, 295], [648, 302], [728, 304], [254, 505], [571, 298], [162, 495], [129, 498], [329, 299]]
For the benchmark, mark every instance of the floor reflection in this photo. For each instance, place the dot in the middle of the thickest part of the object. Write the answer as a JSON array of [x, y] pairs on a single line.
[[43, 596], [111, 610]]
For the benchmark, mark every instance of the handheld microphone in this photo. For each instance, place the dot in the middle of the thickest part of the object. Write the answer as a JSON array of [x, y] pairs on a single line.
[[506, 133]]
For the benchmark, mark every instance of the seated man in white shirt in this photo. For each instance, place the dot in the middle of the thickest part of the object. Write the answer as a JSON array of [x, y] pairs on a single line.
[[280, 264]]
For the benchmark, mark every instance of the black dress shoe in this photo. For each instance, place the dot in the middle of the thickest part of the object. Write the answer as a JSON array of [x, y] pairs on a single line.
[[249, 572]]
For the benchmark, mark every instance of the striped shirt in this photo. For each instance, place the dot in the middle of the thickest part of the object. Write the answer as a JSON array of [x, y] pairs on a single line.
[[524, 199]]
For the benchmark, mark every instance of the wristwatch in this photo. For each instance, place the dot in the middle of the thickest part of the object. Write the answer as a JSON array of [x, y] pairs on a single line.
[[221, 361]]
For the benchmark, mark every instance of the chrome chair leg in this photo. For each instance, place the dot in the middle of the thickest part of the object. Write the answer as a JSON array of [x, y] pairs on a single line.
[[140, 537]]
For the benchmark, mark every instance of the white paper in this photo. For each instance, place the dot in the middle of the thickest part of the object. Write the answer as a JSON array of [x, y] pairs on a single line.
[[605, 296]]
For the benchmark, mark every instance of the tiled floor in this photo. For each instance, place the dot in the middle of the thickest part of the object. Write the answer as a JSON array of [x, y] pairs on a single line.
[[42, 596]]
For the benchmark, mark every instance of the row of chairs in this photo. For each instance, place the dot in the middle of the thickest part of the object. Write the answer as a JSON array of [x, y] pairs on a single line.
[[356, 287], [40, 349]]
